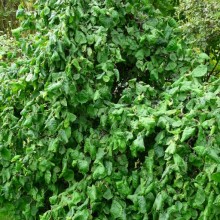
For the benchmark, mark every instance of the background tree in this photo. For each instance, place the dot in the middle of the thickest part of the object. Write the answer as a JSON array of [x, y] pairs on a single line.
[[200, 23], [8, 15], [8, 9]]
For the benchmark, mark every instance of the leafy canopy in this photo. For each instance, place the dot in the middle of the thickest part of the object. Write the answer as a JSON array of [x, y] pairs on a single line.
[[107, 116]]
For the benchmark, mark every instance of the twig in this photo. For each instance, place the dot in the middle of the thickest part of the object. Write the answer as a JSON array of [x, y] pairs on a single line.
[[213, 69]]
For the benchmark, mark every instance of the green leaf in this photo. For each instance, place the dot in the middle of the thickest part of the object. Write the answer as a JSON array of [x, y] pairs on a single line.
[[186, 86], [46, 10], [213, 154], [43, 164], [199, 198], [108, 165], [204, 56], [55, 56], [83, 166], [68, 175], [200, 71], [105, 20], [172, 22], [71, 117], [158, 202], [54, 86], [108, 194], [63, 136], [91, 149], [154, 74], [53, 145], [16, 32], [53, 199], [147, 122], [152, 39], [82, 215], [28, 121], [80, 37], [137, 146], [52, 125], [216, 177], [172, 45], [116, 209], [142, 204], [76, 197], [47, 176], [96, 95], [217, 201], [123, 188], [15, 158], [187, 133], [200, 150], [140, 54], [92, 193], [99, 172], [5, 153], [83, 97], [76, 64], [106, 78], [100, 153], [171, 66], [179, 161], [173, 57], [102, 55], [171, 149]]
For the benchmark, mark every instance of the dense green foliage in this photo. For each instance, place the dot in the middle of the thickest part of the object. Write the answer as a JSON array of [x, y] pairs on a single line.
[[202, 33], [205, 32], [9, 51], [167, 7], [107, 114]]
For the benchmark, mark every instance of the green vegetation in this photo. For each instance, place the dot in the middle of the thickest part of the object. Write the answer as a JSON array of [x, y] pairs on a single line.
[[6, 213], [7, 15], [203, 33], [108, 112]]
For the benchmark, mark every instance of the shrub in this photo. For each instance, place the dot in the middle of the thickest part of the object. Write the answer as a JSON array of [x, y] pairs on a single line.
[[107, 116]]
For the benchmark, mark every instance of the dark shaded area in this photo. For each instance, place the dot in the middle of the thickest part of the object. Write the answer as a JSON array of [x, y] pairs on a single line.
[[8, 19]]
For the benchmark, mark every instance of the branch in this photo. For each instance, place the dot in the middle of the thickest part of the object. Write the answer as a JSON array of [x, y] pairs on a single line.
[[208, 77]]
